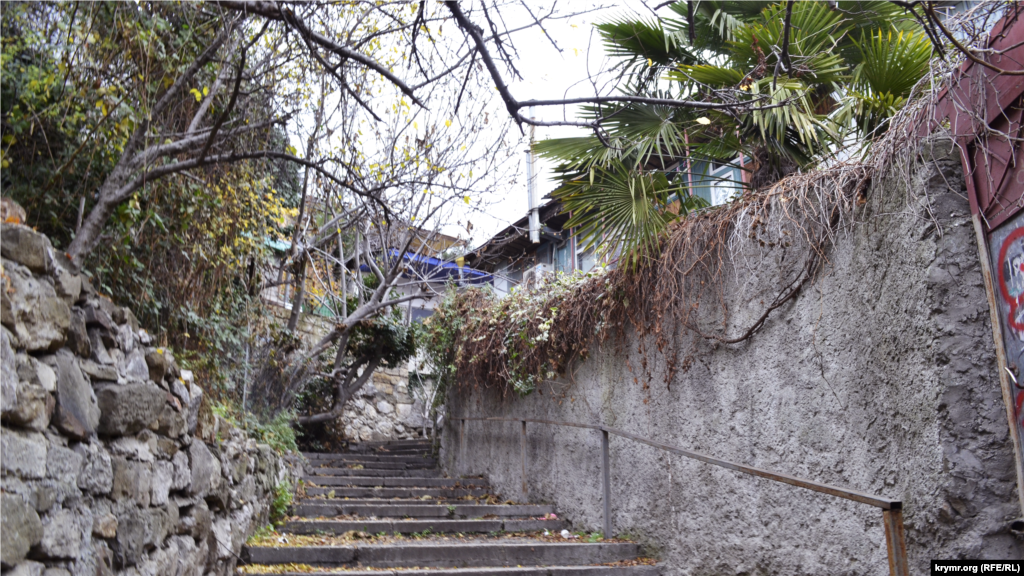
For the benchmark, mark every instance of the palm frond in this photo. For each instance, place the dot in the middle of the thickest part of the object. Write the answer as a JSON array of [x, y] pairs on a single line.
[[623, 210]]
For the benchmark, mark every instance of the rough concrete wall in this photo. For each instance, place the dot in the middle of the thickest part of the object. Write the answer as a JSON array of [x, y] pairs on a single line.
[[108, 465], [879, 377]]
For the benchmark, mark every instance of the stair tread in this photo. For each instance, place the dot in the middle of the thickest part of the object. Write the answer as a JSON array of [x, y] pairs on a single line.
[[584, 569], [415, 525], [360, 506]]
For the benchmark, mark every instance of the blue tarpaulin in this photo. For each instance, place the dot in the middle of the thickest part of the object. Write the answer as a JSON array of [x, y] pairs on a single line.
[[436, 270]]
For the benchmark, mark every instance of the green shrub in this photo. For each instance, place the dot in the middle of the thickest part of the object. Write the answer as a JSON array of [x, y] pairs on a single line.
[[282, 500]]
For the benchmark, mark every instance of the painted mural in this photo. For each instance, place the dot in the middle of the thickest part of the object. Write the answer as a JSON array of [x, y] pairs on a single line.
[[1007, 248]]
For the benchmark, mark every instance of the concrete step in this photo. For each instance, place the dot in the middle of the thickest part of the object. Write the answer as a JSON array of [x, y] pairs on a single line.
[[439, 525], [447, 553], [387, 482], [410, 509], [377, 465], [426, 448], [360, 492], [641, 570], [410, 473], [378, 443], [374, 457]]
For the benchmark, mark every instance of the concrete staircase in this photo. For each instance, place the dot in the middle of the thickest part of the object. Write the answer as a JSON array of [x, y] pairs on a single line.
[[385, 507]]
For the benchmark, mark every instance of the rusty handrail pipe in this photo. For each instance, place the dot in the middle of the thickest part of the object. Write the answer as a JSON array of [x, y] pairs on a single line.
[[892, 510]]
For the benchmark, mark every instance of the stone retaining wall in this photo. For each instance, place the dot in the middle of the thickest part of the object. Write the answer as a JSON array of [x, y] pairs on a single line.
[[388, 408], [111, 463]]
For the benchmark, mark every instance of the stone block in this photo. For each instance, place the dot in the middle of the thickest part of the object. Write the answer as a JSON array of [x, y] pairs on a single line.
[[104, 525], [197, 521], [64, 465], [96, 316], [21, 531], [179, 389], [23, 453], [32, 311], [132, 481], [97, 475], [33, 407], [385, 407], [78, 334], [8, 373], [130, 408], [35, 372], [163, 478], [171, 421], [205, 469], [130, 540], [182, 472], [62, 536], [132, 448], [63, 572], [159, 363], [222, 532], [125, 338], [195, 394], [99, 372], [135, 367], [67, 284], [27, 568], [77, 413], [99, 349], [27, 247]]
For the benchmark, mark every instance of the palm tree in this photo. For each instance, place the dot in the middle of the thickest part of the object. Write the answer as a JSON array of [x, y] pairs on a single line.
[[791, 96]]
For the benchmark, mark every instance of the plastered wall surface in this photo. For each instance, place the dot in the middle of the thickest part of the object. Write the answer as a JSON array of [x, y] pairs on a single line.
[[880, 376]]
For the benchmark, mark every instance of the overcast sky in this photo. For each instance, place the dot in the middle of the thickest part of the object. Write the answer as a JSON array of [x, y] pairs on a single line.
[[549, 74]]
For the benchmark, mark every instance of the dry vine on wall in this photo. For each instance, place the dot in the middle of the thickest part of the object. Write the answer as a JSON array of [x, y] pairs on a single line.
[[513, 344]]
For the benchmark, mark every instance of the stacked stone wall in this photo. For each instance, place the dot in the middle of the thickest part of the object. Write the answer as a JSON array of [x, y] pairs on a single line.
[[388, 408], [110, 463]]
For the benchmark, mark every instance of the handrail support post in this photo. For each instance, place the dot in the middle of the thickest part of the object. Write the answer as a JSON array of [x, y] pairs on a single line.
[[522, 457], [606, 469], [896, 542], [462, 446]]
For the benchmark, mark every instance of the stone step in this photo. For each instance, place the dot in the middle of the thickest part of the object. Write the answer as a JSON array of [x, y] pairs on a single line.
[[388, 482], [439, 525], [447, 554], [410, 473], [361, 492], [375, 457], [640, 570], [400, 509]]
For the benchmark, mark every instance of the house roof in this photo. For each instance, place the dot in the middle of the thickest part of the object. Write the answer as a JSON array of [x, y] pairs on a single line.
[[514, 240], [436, 270]]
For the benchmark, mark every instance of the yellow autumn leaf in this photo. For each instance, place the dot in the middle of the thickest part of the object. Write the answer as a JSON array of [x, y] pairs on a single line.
[[466, 199], [196, 93], [447, 123], [650, 63], [206, 90]]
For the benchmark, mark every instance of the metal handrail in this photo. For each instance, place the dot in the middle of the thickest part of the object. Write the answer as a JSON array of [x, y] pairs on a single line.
[[892, 510]]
